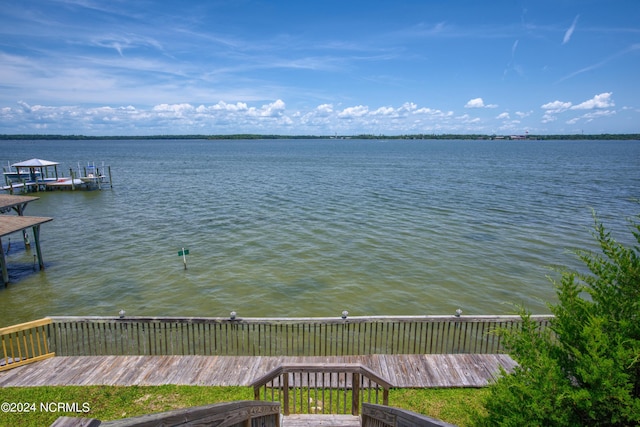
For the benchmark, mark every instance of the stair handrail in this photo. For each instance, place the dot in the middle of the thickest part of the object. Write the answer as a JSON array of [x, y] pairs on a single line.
[[224, 414], [357, 371], [24, 343]]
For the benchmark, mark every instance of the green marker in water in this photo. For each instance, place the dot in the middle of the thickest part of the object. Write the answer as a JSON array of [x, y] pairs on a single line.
[[183, 253]]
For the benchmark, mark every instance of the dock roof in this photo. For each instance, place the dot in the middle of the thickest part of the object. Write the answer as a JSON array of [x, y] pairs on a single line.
[[14, 223], [8, 201], [34, 163]]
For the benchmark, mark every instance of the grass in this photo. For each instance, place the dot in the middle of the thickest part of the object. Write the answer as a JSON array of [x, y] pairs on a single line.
[[109, 402], [453, 405], [38, 406]]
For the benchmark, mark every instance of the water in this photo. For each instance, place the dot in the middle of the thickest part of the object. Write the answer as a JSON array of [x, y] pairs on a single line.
[[315, 227]]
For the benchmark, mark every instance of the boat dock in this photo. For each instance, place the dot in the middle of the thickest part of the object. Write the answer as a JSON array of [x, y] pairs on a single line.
[[41, 175]]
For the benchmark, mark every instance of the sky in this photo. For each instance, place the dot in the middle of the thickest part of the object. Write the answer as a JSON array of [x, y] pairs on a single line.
[[325, 67]]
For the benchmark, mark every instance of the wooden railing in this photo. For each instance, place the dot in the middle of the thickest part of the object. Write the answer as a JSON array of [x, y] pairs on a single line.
[[386, 416], [232, 414], [85, 336], [322, 388], [252, 413], [24, 343]]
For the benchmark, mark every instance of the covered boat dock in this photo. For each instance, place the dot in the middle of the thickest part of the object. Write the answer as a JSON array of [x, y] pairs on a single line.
[[10, 224], [40, 175]]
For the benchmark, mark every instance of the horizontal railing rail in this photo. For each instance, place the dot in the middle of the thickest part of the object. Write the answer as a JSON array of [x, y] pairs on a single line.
[[385, 416], [322, 388], [24, 343], [85, 336], [253, 413], [230, 414]]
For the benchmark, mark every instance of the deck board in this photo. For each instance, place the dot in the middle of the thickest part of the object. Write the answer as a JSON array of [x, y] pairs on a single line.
[[321, 421], [403, 371]]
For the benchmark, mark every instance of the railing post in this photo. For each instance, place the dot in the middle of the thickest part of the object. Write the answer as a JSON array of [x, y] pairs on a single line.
[[285, 391], [355, 393]]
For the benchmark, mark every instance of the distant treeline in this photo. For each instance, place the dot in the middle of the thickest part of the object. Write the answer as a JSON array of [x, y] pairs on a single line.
[[606, 136]]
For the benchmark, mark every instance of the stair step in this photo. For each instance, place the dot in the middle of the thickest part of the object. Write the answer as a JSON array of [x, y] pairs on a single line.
[[320, 420]]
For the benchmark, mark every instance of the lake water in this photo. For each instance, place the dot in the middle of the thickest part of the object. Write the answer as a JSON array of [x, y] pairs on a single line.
[[314, 227]]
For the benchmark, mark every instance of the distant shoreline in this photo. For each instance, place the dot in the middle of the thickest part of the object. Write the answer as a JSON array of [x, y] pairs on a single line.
[[23, 137]]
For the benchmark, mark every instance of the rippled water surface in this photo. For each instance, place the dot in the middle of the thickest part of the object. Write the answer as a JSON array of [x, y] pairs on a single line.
[[314, 227]]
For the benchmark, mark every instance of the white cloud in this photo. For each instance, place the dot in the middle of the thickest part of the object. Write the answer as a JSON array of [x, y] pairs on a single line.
[[556, 106], [275, 118], [407, 107], [176, 109], [599, 101], [384, 111], [25, 107], [275, 109], [599, 104], [590, 116], [353, 112], [223, 106], [475, 103], [570, 30], [432, 112], [598, 114], [465, 118], [478, 103], [324, 110]]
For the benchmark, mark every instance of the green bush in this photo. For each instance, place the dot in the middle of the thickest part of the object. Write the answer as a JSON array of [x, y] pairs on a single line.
[[585, 369]]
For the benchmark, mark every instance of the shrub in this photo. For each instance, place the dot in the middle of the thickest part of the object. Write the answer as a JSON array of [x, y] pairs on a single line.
[[585, 369]]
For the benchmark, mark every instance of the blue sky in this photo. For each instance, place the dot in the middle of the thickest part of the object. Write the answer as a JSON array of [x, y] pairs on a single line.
[[319, 67]]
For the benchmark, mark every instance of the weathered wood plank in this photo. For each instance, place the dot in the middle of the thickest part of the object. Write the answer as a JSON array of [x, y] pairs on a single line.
[[326, 420], [407, 371]]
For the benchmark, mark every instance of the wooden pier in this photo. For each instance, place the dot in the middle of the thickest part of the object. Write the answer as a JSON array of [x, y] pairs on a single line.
[[402, 371]]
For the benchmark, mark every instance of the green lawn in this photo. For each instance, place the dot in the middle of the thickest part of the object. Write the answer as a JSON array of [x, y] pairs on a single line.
[[41, 406]]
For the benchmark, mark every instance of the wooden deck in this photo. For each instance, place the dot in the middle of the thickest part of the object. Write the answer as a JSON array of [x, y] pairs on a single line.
[[402, 371]]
